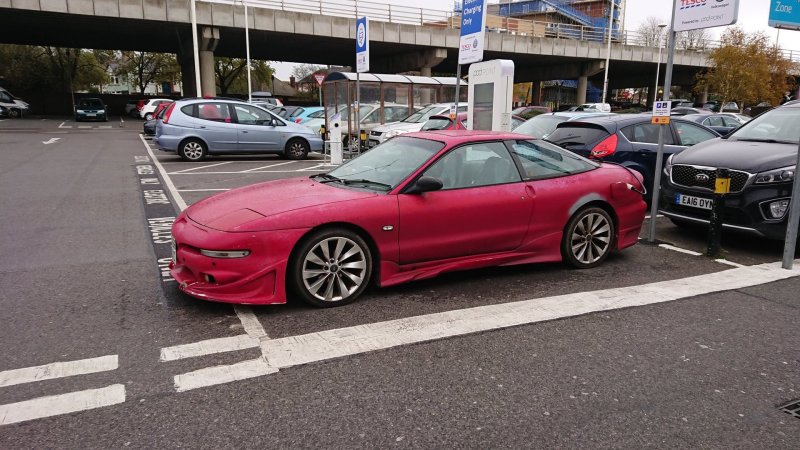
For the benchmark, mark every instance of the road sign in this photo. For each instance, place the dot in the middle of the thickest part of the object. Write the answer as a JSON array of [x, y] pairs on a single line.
[[659, 120], [697, 14], [784, 14], [473, 18], [661, 113], [362, 45], [320, 77]]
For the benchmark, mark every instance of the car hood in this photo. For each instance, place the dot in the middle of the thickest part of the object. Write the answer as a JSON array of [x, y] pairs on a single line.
[[747, 156], [402, 126], [230, 210]]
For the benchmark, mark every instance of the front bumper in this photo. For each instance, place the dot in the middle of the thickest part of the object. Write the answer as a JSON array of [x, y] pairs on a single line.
[[742, 212], [257, 279], [91, 116], [316, 143]]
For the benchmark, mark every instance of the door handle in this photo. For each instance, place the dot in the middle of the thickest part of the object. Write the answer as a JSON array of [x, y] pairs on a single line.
[[243, 131], [202, 126]]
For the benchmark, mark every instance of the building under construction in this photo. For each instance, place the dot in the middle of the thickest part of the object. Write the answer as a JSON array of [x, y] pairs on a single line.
[[587, 13]]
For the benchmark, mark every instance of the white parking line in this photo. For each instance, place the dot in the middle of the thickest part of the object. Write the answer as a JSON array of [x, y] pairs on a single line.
[[729, 263], [58, 370], [202, 190], [201, 167], [311, 168], [267, 167], [680, 250], [209, 347], [211, 376], [324, 345], [167, 181], [252, 326], [239, 173], [55, 405]]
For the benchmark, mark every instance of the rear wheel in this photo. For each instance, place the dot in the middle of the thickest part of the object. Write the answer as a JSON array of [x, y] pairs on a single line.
[[297, 149], [331, 268], [14, 113], [192, 150], [148, 116], [589, 238]]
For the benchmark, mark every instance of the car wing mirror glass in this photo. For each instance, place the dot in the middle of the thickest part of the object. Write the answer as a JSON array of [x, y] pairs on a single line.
[[425, 184]]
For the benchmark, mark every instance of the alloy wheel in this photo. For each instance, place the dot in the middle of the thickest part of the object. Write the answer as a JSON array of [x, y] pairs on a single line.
[[193, 150], [297, 149], [591, 238], [334, 269]]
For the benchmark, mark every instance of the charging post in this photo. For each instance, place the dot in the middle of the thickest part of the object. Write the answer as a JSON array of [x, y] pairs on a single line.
[[722, 186]]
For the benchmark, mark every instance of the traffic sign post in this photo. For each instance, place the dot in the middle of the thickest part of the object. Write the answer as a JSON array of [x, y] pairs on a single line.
[[471, 42], [661, 112], [319, 78], [362, 65]]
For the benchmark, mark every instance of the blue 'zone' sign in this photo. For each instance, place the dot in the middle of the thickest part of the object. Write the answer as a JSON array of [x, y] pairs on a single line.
[[785, 14], [472, 16]]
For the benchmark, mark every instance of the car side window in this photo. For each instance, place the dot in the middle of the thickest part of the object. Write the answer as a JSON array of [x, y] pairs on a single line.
[[541, 160], [5, 98], [217, 112], [317, 115], [714, 121], [189, 110], [730, 121], [690, 134], [646, 133], [248, 115], [474, 165]]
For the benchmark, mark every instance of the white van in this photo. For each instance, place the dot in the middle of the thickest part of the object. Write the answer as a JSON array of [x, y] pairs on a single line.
[[16, 107]]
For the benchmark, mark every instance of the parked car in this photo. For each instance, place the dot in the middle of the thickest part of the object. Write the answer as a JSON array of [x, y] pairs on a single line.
[[16, 106], [149, 126], [3, 111], [684, 110], [630, 140], [742, 118], [416, 206], [90, 109], [710, 106], [197, 128], [411, 123], [265, 97], [370, 115], [541, 126], [288, 111], [601, 107], [131, 107], [148, 107], [761, 156], [757, 109], [443, 122], [728, 107], [307, 112], [722, 124], [526, 112]]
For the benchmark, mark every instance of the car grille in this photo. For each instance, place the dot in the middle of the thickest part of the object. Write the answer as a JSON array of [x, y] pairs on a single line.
[[687, 176], [375, 133]]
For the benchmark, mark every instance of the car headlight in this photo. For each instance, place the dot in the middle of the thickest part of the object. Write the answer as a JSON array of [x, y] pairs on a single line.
[[668, 166], [225, 253], [102, 111], [393, 133], [80, 111], [781, 175]]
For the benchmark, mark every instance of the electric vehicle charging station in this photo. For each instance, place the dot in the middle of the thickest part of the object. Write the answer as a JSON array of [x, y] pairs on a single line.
[[337, 153], [491, 90]]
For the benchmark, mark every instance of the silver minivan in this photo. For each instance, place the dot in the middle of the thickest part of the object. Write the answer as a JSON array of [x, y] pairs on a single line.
[[197, 128], [15, 106]]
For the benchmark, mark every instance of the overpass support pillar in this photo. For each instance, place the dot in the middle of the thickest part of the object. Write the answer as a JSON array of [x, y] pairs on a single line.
[[583, 83], [209, 38], [536, 93]]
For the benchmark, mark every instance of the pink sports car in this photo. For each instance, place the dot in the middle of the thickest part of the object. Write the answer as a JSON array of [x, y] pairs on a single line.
[[416, 206]]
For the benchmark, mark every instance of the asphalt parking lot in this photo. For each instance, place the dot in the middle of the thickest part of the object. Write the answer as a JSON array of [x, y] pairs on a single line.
[[660, 346]]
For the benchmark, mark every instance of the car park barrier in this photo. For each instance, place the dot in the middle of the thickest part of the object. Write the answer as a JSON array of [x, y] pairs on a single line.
[[722, 186]]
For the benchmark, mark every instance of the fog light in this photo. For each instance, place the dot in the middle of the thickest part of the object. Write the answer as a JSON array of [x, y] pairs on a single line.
[[778, 208]]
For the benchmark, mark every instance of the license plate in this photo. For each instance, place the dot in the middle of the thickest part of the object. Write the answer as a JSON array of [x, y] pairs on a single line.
[[91, 114], [694, 202]]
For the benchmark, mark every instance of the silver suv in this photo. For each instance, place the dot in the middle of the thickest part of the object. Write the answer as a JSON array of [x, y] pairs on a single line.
[[196, 128]]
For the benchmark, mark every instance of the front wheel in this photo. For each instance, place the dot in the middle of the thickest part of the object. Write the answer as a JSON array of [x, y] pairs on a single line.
[[148, 116], [297, 149], [589, 238], [192, 150], [331, 268], [14, 113]]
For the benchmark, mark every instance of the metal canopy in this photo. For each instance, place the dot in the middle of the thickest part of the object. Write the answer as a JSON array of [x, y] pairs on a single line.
[[388, 78]]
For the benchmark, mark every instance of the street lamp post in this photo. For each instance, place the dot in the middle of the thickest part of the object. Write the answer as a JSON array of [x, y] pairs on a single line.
[[247, 45], [608, 49], [658, 66]]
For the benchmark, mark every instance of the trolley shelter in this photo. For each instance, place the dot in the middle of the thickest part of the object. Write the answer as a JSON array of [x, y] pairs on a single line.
[[384, 98]]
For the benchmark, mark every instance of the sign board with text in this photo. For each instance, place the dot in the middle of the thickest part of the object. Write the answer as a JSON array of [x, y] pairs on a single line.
[[697, 14], [473, 20], [784, 14], [661, 113], [362, 45], [319, 77]]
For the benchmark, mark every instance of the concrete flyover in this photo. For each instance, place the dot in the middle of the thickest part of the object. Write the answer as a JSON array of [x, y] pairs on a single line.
[[321, 37]]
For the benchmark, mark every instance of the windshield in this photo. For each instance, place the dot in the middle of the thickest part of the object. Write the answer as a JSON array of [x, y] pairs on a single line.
[[387, 165], [540, 126], [437, 123], [422, 115], [90, 103], [778, 125]]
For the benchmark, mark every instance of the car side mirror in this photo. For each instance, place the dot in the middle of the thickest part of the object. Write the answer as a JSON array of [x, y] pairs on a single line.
[[425, 184]]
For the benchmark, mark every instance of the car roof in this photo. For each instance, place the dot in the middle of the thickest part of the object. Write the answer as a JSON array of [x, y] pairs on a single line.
[[462, 136]]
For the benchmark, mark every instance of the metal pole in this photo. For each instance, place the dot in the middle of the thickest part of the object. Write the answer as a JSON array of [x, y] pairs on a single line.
[[458, 87], [658, 74], [196, 50], [608, 50], [357, 118], [651, 237], [794, 219], [247, 44]]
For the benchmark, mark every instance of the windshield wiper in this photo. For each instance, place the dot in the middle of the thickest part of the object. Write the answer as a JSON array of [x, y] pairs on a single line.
[[327, 178], [365, 181], [769, 141]]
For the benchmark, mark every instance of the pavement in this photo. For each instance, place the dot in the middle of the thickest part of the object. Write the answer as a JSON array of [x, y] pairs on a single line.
[[658, 347]]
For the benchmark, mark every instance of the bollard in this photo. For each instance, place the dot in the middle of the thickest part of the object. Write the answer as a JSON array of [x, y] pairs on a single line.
[[722, 186], [362, 141], [323, 132]]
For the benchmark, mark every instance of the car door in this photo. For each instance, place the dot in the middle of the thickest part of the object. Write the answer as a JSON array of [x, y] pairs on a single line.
[[690, 134], [643, 149], [256, 129], [215, 126], [482, 208]]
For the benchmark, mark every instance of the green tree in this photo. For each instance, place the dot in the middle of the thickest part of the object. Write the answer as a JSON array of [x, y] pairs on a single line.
[[231, 75], [145, 68]]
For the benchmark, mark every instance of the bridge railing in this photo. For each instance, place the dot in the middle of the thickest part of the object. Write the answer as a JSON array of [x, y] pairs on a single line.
[[384, 12]]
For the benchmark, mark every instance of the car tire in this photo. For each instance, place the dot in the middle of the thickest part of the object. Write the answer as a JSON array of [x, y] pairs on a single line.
[[297, 149], [193, 150], [588, 238], [330, 268], [14, 113], [148, 116]]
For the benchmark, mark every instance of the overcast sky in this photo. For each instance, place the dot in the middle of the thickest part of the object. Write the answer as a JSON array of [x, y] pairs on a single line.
[[753, 16]]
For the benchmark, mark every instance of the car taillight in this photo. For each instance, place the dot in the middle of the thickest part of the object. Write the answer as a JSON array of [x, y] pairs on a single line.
[[140, 105], [297, 120], [167, 113], [605, 148]]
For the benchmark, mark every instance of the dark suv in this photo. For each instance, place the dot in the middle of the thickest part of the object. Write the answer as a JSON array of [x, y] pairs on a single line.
[[761, 156], [90, 109]]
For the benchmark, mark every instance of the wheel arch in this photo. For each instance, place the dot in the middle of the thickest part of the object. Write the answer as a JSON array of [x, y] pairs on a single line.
[[599, 203], [193, 137]]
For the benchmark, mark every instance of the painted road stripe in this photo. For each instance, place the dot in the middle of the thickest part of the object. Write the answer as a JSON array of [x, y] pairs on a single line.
[[239, 173], [211, 376], [58, 370], [309, 169], [680, 250], [296, 350], [202, 190], [252, 326], [167, 180], [55, 405], [267, 167], [201, 167], [208, 347], [729, 263]]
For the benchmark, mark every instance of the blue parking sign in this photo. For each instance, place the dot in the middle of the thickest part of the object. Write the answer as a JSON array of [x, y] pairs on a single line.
[[362, 45], [784, 14], [473, 20]]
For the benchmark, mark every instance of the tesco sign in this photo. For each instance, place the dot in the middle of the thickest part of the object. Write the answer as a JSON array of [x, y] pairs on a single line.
[[696, 14]]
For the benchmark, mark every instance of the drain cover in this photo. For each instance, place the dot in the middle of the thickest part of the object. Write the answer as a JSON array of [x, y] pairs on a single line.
[[792, 408]]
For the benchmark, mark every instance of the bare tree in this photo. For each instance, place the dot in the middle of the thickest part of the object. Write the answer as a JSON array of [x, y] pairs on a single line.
[[693, 39], [648, 33]]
